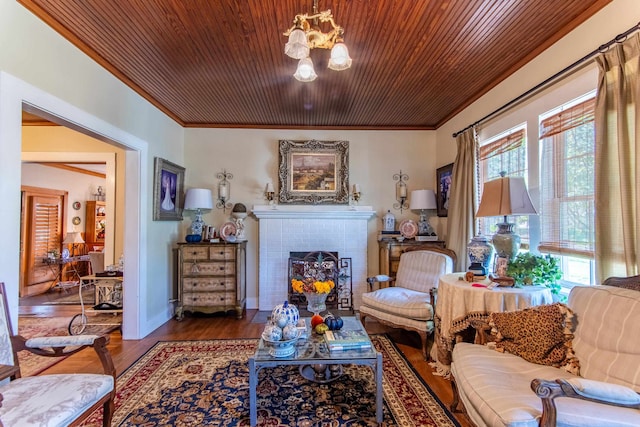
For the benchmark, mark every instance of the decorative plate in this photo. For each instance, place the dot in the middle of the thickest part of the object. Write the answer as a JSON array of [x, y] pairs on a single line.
[[408, 228], [76, 220], [65, 253], [76, 205], [228, 229]]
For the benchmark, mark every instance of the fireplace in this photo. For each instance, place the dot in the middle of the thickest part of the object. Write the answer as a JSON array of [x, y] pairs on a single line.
[[321, 266], [295, 228]]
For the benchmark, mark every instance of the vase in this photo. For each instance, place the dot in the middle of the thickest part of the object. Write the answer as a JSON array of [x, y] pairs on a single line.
[[316, 302], [479, 250]]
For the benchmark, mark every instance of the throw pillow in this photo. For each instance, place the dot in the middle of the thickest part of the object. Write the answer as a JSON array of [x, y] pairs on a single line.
[[539, 335]]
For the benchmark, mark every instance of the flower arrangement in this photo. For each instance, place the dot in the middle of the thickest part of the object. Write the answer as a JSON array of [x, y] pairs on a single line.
[[311, 285]]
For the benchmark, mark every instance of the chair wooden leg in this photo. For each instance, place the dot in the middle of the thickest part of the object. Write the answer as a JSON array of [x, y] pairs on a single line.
[[107, 412], [456, 397], [362, 317], [423, 338]]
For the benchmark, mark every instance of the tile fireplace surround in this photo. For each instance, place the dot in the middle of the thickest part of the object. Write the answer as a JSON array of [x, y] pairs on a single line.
[[301, 228]]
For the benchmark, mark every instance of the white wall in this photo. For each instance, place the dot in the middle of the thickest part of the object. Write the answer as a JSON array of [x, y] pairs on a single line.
[[40, 67], [251, 155], [76, 184]]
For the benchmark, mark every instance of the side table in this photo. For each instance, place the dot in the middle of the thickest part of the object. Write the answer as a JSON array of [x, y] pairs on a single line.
[[459, 302]]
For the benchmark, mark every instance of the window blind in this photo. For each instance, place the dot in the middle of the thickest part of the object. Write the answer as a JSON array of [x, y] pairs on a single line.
[[567, 181]]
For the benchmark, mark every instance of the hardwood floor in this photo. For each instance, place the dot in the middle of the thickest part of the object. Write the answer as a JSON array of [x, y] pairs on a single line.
[[126, 352]]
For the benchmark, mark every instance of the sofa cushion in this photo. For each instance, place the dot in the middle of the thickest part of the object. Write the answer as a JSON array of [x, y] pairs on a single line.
[[606, 337], [540, 334], [495, 389], [29, 400], [400, 301]]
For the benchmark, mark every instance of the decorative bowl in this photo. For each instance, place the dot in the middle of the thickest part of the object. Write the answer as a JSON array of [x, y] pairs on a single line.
[[282, 348], [193, 238]]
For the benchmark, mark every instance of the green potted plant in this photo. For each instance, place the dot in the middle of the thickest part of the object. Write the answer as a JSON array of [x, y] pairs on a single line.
[[530, 269]]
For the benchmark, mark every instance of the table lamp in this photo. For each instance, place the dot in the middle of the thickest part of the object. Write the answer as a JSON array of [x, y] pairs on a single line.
[[196, 200], [503, 197], [73, 238], [422, 200]]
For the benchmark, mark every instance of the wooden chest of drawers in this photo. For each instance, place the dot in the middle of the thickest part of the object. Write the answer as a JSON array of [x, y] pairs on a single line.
[[212, 277]]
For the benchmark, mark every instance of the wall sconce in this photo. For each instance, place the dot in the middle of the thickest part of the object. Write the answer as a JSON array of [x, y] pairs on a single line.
[[269, 194], [355, 195], [224, 191], [401, 191]]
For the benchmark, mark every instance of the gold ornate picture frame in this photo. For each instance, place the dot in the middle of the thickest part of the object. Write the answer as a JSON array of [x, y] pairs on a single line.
[[314, 172], [168, 190]]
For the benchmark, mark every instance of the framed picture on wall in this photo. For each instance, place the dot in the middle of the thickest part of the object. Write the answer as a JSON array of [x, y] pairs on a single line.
[[443, 178], [168, 190], [314, 172]]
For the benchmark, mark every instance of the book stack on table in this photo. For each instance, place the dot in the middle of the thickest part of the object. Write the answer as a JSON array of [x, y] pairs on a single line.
[[345, 339]]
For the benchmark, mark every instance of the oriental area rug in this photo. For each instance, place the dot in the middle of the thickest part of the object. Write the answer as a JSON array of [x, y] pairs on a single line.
[[205, 383]]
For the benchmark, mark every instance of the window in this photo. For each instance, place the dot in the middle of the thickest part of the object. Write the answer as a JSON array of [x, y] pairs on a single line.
[[506, 152], [567, 217]]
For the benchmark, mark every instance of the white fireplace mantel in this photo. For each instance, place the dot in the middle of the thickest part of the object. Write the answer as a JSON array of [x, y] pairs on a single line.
[[291, 228], [313, 211]]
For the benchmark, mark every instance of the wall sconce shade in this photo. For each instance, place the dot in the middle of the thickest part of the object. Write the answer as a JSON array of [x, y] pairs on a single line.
[[198, 199], [505, 196]]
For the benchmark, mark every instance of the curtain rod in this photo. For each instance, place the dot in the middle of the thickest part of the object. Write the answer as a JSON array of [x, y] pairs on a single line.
[[601, 49]]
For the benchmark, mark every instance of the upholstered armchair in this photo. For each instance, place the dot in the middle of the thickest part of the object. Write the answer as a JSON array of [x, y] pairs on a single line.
[[51, 400], [409, 300]]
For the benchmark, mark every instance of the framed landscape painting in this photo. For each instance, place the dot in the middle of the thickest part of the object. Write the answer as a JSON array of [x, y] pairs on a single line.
[[314, 172], [443, 178], [168, 190]]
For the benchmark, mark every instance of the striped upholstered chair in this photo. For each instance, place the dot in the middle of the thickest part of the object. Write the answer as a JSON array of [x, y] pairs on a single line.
[[409, 302]]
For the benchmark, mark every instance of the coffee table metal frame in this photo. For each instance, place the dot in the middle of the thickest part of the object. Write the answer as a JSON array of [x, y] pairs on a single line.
[[313, 351]]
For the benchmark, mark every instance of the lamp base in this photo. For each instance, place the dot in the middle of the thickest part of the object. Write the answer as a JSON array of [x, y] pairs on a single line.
[[506, 242], [198, 224]]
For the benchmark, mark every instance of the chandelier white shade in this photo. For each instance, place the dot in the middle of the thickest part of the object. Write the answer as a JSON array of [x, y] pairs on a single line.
[[297, 46], [305, 71], [340, 59], [303, 36]]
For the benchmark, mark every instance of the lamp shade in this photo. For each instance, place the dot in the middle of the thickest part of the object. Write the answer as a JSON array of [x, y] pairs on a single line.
[[198, 198], [423, 199], [340, 59], [505, 196], [73, 237], [297, 47], [305, 71]]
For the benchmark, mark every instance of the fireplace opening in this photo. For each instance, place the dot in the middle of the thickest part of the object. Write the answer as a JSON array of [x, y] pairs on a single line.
[[322, 266]]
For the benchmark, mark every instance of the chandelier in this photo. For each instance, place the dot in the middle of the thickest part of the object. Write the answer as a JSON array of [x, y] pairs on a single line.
[[303, 36]]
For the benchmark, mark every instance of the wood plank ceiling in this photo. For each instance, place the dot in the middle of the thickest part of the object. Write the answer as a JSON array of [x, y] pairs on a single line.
[[416, 63]]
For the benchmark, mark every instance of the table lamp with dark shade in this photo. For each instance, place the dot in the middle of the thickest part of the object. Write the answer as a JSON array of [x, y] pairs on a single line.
[[505, 196]]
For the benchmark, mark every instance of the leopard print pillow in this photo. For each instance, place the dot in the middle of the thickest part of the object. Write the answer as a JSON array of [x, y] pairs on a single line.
[[539, 335]]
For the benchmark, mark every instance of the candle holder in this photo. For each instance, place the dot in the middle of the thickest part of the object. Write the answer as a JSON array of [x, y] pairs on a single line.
[[269, 194], [401, 191], [224, 191]]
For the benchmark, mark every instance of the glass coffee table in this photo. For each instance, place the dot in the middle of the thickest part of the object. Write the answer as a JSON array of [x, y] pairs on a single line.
[[316, 363]]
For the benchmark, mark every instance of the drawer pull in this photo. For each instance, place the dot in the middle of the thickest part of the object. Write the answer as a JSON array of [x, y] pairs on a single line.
[[221, 252]]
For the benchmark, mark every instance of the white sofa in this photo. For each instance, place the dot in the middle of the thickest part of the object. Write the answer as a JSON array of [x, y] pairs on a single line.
[[501, 389]]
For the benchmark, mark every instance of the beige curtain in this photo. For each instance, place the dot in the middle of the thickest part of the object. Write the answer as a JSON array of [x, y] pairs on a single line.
[[618, 161], [461, 223]]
